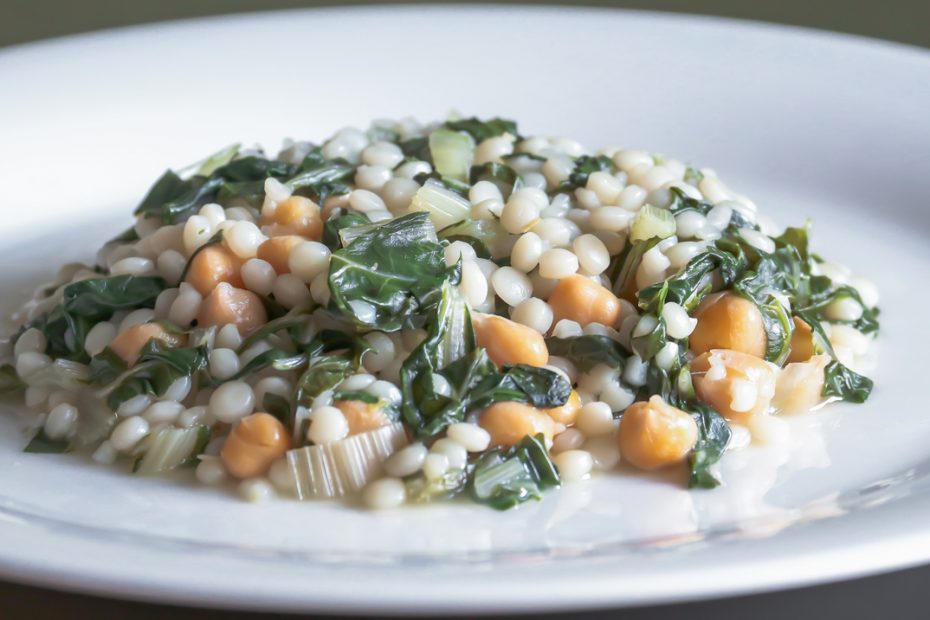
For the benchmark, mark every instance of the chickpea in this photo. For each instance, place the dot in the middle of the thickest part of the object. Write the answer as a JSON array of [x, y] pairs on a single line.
[[802, 342], [800, 385], [509, 342], [583, 300], [567, 413], [509, 422], [212, 265], [736, 384], [653, 434], [254, 444], [297, 215], [229, 305], [362, 416], [277, 251], [129, 344], [727, 321]]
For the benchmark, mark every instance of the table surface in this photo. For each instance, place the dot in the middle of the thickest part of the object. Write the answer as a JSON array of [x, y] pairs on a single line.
[[898, 595]]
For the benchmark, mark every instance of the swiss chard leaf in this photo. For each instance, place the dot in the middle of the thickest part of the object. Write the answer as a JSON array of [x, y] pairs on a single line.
[[155, 370], [323, 373], [334, 225], [586, 352], [713, 437], [482, 130], [390, 276], [584, 166], [503, 176], [504, 480], [843, 383]]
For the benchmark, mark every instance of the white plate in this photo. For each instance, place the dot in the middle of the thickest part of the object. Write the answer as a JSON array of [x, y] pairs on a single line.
[[806, 123]]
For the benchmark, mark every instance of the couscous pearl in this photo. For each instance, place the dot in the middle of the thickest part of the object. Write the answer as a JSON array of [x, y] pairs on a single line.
[[412, 169], [677, 322], [308, 260], [223, 363], [667, 356], [356, 383], [511, 285], [381, 353], [364, 311], [757, 240], [192, 417], [258, 276], [557, 263], [627, 159], [655, 177], [458, 250], [555, 231], [634, 371], [134, 266], [493, 149], [243, 238], [372, 178], [163, 411], [453, 451], [631, 198], [255, 490], [844, 309], [105, 454], [574, 465], [611, 219], [713, 189], [557, 170], [197, 231], [836, 272], [569, 439], [385, 390], [327, 424], [526, 252], [134, 406], [232, 401], [441, 385], [473, 285], [470, 436], [406, 461], [385, 494], [435, 465], [214, 213], [565, 366], [587, 199], [282, 477], [398, 193], [851, 338], [136, 317], [32, 340], [604, 452], [35, 397], [178, 389], [768, 430], [689, 224], [99, 337], [592, 254], [61, 421], [536, 195], [617, 397], [30, 362], [228, 337], [170, 265], [744, 395], [519, 214], [290, 290], [484, 190], [239, 214], [319, 289], [595, 419], [185, 308], [535, 313], [271, 385], [59, 397], [605, 185], [680, 254], [566, 328], [560, 205], [210, 471], [128, 433], [384, 154], [363, 200]]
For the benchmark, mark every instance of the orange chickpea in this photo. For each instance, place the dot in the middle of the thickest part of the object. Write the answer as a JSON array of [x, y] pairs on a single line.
[[254, 444], [509, 422], [297, 215], [277, 251], [567, 413], [227, 304], [212, 265], [362, 416], [509, 342], [583, 300], [653, 434], [728, 321], [129, 343], [736, 384], [802, 342]]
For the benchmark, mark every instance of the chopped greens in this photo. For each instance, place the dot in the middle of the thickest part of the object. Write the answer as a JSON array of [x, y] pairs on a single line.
[[504, 479]]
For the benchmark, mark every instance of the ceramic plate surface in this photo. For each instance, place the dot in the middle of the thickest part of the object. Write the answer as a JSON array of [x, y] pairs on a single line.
[[806, 123]]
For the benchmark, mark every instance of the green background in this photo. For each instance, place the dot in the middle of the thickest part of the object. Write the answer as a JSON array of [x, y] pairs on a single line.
[[905, 21]]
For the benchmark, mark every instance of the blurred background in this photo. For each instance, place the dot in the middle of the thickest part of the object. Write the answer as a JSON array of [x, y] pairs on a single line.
[[904, 21]]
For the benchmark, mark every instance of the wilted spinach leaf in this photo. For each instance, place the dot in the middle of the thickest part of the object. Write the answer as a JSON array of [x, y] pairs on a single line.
[[586, 352], [842, 382], [482, 130], [503, 480], [584, 166]]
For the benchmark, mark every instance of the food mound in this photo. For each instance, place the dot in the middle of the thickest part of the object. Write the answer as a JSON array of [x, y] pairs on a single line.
[[418, 312]]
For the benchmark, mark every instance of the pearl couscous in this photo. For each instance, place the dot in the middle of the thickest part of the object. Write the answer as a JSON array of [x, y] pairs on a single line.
[[418, 312]]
